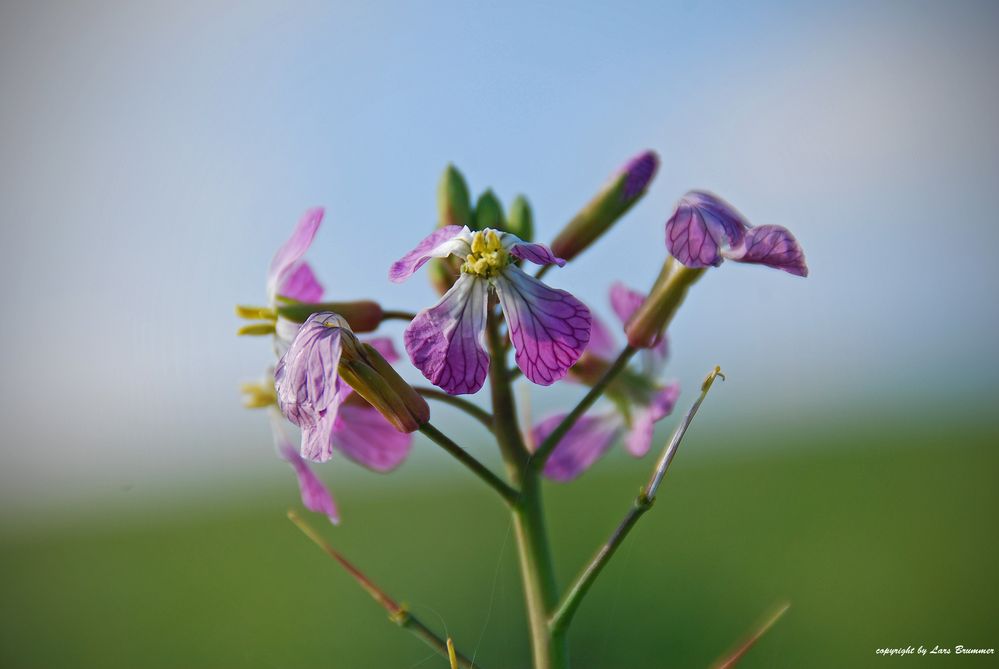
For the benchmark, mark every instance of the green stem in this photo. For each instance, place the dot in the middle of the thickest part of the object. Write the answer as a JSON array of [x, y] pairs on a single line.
[[509, 495], [473, 410], [548, 445], [394, 314], [533, 550]]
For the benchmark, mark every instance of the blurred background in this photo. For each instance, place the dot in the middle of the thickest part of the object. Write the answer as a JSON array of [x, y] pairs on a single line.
[[154, 155]]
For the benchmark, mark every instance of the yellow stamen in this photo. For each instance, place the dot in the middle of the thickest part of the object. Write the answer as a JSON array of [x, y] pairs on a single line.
[[488, 256]]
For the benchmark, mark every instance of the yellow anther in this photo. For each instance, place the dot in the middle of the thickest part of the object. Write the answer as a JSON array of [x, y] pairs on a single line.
[[488, 256]]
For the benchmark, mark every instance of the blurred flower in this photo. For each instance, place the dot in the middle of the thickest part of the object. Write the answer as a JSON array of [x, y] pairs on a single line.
[[549, 327], [705, 229], [638, 398]]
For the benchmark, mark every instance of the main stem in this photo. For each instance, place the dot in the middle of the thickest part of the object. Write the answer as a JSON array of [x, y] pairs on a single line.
[[533, 551]]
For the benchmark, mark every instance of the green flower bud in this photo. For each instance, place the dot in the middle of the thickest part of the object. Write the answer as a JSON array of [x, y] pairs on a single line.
[[362, 315], [650, 321], [364, 369], [488, 212], [625, 189], [520, 222], [454, 205]]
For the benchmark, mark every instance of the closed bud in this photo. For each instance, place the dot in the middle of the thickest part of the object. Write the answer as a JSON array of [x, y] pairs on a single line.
[[488, 212], [646, 327], [373, 378], [520, 222], [618, 196], [454, 205], [361, 315]]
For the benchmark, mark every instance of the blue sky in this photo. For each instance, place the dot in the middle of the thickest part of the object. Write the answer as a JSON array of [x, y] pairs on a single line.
[[153, 156]]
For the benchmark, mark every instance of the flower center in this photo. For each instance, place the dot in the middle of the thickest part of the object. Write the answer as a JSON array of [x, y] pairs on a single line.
[[488, 257]]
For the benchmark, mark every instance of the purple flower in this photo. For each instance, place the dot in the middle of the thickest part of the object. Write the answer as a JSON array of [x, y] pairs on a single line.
[[549, 327], [705, 229], [311, 395], [289, 275], [639, 401]]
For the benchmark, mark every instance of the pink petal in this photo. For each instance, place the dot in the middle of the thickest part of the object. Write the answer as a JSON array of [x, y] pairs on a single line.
[[315, 495], [444, 341], [549, 327], [643, 419], [300, 283], [293, 249], [601, 343], [539, 254], [582, 445], [384, 346], [364, 436], [625, 301], [438, 244], [773, 246]]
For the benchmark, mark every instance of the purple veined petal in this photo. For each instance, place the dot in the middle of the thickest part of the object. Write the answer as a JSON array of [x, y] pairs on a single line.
[[773, 246], [386, 347], [300, 283], [315, 495], [309, 390], [582, 445], [601, 342], [549, 328], [445, 341], [702, 225], [638, 172], [639, 437], [293, 249], [438, 244], [539, 254], [364, 436]]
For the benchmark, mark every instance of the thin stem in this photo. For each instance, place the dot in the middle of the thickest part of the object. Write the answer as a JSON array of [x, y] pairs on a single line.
[[509, 495], [472, 409], [533, 550], [551, 441], [395, 314], [744, 648], [397, 613], [562, 616]]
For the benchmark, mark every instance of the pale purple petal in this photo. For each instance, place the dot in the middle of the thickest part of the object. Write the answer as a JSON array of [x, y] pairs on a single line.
[[643, 419], [582, 445], [445, 341], [601, 341], [539, 254], [309, 390], [625, 301], [549, 328], [385, 347], [638, 172], [300, 283], [438, 244], [773, 246], [315, 495], [293, 249], [364, 436], [700, 227]]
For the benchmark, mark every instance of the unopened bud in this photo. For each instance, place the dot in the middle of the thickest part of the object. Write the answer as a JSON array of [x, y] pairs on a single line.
[[646, 327], [618, 196], [488, 212], [454, 205], [520, 222], [374, 379], [256, 329], [362, 315]]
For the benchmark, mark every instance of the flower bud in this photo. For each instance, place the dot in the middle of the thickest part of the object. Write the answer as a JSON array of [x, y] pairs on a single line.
[[362, 315], [520, 222], [454, 205], [488, 212], [646, 327], [625, 189], [374, 379]]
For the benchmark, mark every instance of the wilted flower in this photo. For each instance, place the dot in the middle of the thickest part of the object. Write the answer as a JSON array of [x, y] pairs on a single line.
[[315, 495], [705, 229], [638, 398], [549, 327]]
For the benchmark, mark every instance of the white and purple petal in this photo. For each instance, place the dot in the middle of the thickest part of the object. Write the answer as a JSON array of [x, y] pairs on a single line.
[[638, 440], [588, 439], [451, 239], [549, 328], [773, 246], [291, 251], [315, 495], [445, 341], [539, 254], [363, 435]]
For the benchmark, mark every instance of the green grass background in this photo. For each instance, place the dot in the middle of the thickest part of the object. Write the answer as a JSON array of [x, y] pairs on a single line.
[[877, 537]]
